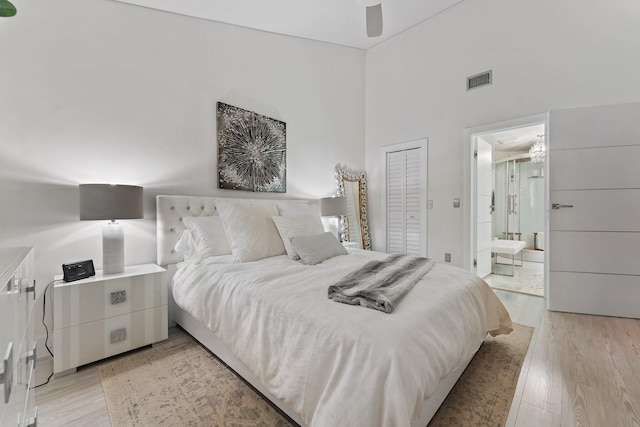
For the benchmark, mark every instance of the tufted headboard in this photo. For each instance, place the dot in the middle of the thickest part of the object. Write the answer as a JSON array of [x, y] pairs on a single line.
[[171, 209]]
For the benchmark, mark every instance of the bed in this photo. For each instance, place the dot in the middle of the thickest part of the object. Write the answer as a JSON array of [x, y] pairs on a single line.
[[321, 362]]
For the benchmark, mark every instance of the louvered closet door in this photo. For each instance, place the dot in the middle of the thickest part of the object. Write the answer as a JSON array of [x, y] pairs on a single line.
[[404, 204]]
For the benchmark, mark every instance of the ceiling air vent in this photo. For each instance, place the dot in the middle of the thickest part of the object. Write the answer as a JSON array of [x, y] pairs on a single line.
[[478, 80]]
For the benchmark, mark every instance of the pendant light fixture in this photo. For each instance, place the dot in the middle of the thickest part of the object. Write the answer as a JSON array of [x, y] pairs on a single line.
[[537, 150]]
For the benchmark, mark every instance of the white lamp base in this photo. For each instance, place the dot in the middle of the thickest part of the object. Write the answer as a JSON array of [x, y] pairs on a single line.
[[112, 248], [332, 224]]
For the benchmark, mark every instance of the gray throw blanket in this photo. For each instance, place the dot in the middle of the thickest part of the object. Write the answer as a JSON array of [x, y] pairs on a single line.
[[381, 285]]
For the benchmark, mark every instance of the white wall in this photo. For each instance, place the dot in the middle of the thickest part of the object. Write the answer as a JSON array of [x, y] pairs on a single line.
[[545, 54], [99, 91]]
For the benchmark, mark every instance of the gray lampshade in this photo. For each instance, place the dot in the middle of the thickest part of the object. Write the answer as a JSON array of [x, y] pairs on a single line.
[[333, 206], [105, 201]]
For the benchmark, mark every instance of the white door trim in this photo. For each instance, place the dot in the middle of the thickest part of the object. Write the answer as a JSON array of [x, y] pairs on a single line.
[[423, 144], [468, 166]]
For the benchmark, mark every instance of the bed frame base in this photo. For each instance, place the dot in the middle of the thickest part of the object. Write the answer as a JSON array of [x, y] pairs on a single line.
[[203, 335]]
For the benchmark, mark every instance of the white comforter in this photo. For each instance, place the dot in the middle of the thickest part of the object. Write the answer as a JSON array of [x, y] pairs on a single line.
[[337, 364]]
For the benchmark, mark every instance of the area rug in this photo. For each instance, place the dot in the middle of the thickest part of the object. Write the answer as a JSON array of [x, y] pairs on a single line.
[[180, 383], [483, 394]]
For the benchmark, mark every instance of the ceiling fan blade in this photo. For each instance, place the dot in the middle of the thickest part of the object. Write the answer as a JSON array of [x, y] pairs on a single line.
[[374, 20]]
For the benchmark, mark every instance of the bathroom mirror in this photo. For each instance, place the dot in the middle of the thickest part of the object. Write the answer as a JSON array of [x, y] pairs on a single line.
[[352, 184]]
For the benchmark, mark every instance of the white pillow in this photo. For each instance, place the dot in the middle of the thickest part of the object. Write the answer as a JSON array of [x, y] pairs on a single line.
[[316, 248], [250, 229], [186, 245], [208, 237], [296, 225], [297, 207]]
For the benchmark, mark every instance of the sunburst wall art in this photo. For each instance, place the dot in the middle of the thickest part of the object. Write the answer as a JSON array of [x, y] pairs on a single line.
[[252, 151]]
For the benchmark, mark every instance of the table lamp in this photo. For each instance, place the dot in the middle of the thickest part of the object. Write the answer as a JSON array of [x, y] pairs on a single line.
[[111, 202]]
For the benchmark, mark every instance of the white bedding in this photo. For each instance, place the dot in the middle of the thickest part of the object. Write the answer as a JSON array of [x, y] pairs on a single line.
[[332, 363]]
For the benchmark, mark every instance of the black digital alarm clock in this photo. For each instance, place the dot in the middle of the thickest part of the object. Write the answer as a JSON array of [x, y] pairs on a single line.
[[77, 270]]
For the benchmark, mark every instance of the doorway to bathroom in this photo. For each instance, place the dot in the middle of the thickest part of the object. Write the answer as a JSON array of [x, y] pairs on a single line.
[[509, 207]]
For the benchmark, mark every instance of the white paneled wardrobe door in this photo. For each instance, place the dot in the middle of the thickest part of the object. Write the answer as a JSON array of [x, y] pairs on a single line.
[[406, 224], [594, 220]]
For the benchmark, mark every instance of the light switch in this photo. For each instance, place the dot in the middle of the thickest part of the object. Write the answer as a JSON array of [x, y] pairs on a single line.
[[456, 203], [429, 204]]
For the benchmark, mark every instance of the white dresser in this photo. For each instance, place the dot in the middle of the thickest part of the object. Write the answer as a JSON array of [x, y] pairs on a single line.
[[17, 348], [104, 315]]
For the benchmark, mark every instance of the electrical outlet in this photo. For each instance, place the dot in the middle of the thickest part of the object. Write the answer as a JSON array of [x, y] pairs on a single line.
[[429, 204], [447, 257]]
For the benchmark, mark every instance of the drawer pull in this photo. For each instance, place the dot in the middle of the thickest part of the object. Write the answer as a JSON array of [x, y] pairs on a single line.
[[6, 377], [31, 356], [31, 289], [118, 297], [33, 421], [118, 335]]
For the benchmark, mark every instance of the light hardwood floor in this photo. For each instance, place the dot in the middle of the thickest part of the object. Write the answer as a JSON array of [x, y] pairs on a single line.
[[579, 371]]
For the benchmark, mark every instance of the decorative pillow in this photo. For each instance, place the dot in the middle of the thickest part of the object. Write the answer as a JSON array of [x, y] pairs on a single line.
[[296, 225], [316, 248], [250, 229], [186, 245], [207, 237]]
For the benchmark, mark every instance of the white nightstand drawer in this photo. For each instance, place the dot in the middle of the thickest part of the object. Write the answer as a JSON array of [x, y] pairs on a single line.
[[108, 314], [88, 342], [102, 297], [17, 274]]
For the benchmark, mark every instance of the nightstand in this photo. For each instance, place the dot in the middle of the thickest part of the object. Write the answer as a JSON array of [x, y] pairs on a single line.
[[104, 315], [353, 245]]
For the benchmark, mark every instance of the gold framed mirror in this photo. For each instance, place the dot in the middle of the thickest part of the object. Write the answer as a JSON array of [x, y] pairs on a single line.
[[352, 184]]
